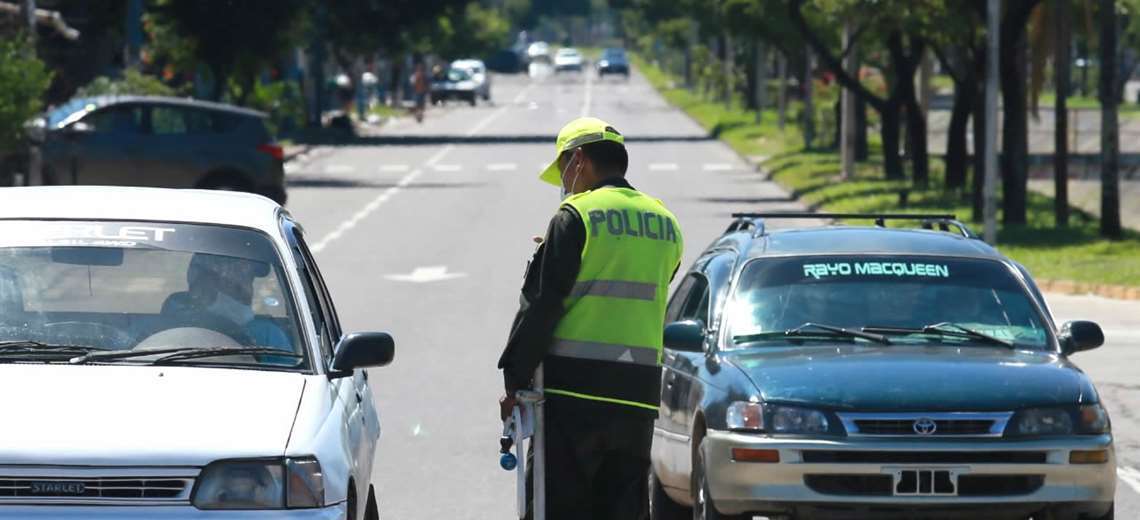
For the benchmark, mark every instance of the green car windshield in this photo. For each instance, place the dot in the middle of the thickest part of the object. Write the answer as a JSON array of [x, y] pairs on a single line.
[[897, 296]]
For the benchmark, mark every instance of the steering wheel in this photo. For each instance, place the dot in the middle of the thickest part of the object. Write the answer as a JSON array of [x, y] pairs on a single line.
[[89, 332], [208, 321]]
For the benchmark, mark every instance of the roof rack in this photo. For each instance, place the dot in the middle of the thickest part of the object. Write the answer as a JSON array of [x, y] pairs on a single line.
[[943, 221]]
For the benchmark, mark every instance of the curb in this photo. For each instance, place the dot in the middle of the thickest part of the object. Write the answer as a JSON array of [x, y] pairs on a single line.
[[1115, 292]]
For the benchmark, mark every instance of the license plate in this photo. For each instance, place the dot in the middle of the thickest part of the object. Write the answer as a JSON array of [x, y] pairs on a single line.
[[925, 482]]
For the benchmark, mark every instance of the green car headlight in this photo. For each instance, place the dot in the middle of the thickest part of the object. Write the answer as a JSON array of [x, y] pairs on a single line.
[[260, 484]]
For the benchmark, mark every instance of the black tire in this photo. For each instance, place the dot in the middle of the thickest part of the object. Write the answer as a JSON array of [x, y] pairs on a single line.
[[661, 507], [471, 99], [703, 506], [225, 181], [1110, 515], [372, 508]]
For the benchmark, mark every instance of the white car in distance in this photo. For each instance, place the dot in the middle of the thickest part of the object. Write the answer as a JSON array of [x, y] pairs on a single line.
[[176, 354], [567, 59]]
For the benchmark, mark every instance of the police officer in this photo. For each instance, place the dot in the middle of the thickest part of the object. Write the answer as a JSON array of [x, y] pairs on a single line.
[[592, 312]]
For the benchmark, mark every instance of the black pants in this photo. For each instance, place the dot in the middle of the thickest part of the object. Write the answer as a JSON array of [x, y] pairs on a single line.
[[596, 465]]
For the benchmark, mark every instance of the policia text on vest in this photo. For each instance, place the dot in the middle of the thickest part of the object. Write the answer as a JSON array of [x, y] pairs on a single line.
[[642, 224]]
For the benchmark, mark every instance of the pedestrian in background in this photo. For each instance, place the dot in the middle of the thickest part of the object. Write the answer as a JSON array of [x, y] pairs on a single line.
[[592, 312], [420, 86]]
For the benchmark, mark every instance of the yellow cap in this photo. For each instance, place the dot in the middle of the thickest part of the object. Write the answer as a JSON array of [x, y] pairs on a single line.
[[584, 130]]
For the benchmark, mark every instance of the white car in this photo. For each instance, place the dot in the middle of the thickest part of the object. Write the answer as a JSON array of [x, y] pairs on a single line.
[[568, 58], [175, 354], [478, 71]]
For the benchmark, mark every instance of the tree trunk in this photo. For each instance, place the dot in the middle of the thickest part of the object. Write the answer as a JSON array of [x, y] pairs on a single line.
[[760, 94], [1110, 225], [837, 136], [1015, 124], [861, 150], [806, 84], [904, 65], [729, 71], [1061, 113], [957, 154], [889, 132], [979, 167], [782, 95]]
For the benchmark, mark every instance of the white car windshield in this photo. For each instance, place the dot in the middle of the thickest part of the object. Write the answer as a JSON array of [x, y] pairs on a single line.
[[917, 299], [120, 286]]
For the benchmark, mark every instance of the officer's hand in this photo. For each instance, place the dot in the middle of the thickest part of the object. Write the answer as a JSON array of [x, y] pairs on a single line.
[[506, 405]]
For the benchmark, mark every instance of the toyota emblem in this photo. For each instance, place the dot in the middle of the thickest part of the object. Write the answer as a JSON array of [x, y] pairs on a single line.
[[925, 426]]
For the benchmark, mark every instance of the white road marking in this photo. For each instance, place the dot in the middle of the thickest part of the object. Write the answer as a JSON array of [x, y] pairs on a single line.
[[446, 167], [383, 197], [663, 167], [340, 168], [292, 168], [1129, 476], [433, 273], [716, 167], [394, 168], [589, 95], [502, 167]]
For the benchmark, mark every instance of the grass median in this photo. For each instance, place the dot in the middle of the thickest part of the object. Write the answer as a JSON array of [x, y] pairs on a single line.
[[1075, 254]]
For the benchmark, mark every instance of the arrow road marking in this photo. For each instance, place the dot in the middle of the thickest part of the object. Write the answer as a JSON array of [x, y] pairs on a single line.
[[433, 273], [1129, 476]]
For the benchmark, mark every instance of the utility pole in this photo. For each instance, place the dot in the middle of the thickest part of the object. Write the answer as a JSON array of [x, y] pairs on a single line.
[[847, 102], [1061, 81], [993, 23]]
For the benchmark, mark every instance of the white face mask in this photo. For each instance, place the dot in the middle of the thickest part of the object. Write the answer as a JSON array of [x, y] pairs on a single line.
[[574, 183]]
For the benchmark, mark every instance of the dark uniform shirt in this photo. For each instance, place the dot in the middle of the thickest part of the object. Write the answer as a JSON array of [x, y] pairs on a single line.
[[549, 279]]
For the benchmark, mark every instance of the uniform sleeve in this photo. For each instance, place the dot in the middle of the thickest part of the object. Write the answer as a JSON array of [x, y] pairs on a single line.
[[549, 279]]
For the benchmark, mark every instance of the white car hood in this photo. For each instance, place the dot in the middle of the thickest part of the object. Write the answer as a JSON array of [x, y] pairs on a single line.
[[143, 415]]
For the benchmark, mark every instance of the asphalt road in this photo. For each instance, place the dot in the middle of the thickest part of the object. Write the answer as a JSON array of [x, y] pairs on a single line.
[[424, 230]]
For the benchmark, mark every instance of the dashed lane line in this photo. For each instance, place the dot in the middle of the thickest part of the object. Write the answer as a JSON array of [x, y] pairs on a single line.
[[387, 194], [663, 167], [340, 168], [1130, 477], [502, 167], [716, 167]]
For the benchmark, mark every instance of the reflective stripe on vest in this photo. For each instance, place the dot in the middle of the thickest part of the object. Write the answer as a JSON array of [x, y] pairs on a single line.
[[607, 345], [615, 289], [604, 352]]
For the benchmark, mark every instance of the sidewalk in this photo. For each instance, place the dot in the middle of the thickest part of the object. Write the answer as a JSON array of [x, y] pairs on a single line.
[[1085, 194]]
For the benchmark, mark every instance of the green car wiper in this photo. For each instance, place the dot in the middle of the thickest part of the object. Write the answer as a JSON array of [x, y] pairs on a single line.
[[179, 353], [37, 350], [942, 329], [814, 330]]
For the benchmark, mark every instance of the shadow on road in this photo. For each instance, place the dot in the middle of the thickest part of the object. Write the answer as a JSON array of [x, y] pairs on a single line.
[[303, 181]]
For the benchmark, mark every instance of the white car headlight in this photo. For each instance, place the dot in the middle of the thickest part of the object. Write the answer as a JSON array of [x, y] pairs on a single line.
[[1044, 421], [748, 416], [260, 484]]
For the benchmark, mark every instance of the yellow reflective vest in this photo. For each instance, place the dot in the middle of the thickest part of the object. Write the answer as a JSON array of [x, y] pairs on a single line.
[[607, 346]]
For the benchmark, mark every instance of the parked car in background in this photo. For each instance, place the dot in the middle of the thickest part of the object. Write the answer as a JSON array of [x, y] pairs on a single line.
[[537, 49], [164, 142], [478, 71], [454, 84], [613, 61], [505, 61], [566, 59]]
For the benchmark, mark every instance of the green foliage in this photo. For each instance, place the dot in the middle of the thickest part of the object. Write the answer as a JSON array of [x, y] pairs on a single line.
[[470, 31], [132, 82], [23, 80], [284, 103]]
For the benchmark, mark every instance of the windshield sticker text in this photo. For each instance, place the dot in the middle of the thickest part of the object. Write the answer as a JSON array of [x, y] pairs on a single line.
[[102, 232], [825, 270]]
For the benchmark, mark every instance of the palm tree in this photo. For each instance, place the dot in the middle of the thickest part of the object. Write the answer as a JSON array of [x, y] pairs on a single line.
[[1061, 74], [1110, 226]]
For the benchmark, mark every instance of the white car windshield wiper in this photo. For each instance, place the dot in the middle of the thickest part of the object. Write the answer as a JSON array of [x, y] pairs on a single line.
[[941, 329], [167, 355], [814, 330], [26, 350]]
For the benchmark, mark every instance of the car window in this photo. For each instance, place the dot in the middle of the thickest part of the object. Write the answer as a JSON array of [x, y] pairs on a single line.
[[138, 285], [323, 314], [697, 305], [166, 120], [120, 119], [677, 303], [911, 292], [198, 121]]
